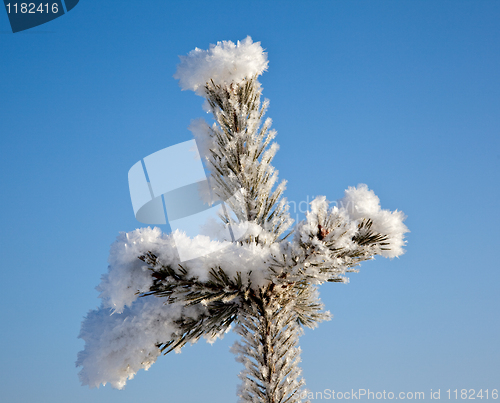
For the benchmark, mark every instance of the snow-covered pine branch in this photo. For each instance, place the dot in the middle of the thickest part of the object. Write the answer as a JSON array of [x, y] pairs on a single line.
[[265, 283]]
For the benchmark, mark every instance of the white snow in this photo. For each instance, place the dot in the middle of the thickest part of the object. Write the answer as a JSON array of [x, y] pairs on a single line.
[[360, 202], [119, 345], [121, 336], [224, 63], [126, 273]]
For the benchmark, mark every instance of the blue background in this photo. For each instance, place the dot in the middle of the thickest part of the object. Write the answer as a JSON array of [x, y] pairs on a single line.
[[401, 95]]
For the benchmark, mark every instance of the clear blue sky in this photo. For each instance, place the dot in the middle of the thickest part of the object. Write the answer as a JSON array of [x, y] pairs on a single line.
[[401, 95]]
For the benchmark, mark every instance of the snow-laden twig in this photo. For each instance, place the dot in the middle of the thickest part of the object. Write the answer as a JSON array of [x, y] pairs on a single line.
[[266, 283]]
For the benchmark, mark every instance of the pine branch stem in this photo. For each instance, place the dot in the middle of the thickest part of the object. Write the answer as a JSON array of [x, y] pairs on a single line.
[[269, 350]]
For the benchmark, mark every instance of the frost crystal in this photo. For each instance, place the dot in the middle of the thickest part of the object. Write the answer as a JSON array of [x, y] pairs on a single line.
[[223, 63]]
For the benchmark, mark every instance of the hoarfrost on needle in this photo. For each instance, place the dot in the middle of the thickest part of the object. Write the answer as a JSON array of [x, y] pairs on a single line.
[[223, 63]]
